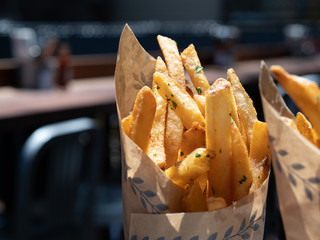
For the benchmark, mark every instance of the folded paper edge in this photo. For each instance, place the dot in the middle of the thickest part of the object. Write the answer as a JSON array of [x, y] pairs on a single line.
[[243, 203], [270, 93]]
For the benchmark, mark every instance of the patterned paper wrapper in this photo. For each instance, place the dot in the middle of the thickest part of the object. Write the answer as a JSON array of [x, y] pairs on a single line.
[[151, 202], [296, 163]]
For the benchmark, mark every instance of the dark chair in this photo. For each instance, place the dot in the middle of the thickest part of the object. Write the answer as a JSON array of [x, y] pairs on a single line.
[[56, 181]]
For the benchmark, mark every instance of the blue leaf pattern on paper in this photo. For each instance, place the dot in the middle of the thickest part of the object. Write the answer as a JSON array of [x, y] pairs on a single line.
[[314, 180], [228, 232], [133, 190], [253, 216], [243, 224], [294, 175], [149, 193], [143, 202], [278, 165], [162, 207], [297, 166], [177, 238], [255, 227], [137, 180], [245, 236], [243, 232], [308, 193], [282, 152], [145, 196], [195, 238], [213, 236], [271, 138], [292, 179]]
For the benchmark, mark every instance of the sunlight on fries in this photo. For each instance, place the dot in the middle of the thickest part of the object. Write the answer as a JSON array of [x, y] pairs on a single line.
[[206, 139]]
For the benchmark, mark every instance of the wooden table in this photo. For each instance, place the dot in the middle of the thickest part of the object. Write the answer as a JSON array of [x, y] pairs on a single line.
[[19, 107]]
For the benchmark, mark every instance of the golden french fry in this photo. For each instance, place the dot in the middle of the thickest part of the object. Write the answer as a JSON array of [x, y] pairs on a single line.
[[172, 137], [201, 102], [215, 203], [305, 94], [304, 127], [191, 62], [142, 117], [259, 154], [242, 175], [203, 182], [173, 59], [194, 165], [195, 200], [161, 66], [179, 100], [156, 148], [218, 138], [247, 112], [125, 122], [193, 138], [174, 126]]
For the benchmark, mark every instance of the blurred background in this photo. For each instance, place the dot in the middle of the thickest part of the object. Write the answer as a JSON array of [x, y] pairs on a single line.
[[60, 156]]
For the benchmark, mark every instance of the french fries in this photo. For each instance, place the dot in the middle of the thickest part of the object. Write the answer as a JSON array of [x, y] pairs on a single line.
[[193, 66], [247, 112], [218, 123], [178, 99], [193, 166], [142, 117], [306, 95], [195, 199], [173, 59], [207, 139], [242, 173], [156, 148], [259, 154], [174, 127], [304, 127], [193, 138]]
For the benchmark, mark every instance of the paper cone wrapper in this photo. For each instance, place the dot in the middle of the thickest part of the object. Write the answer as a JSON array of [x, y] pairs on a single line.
[[296, 164], [151, 202]]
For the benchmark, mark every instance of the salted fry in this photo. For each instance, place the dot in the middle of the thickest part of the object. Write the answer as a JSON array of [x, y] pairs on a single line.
[[174, 125], [259, 154], [242, 175], [125, 122], [218, 137], [193, 166], [179, 100], [201, 102], [173, 137], [156, 148], [195, 199], [142, 117], [247, 112], [304, 127], [193, 138], [161, 66], [305, 94], [173, 59], [193, 66]]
